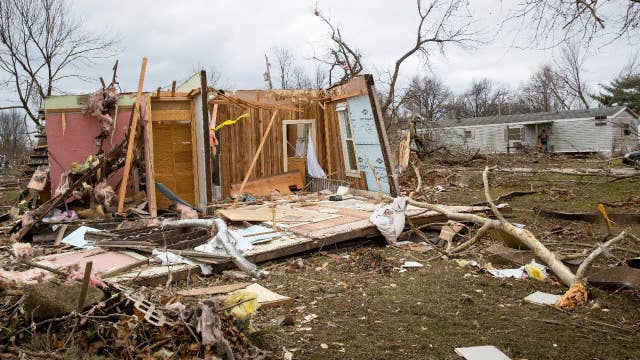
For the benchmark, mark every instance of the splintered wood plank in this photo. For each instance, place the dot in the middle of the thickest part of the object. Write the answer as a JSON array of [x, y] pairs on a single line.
[[263, 186]]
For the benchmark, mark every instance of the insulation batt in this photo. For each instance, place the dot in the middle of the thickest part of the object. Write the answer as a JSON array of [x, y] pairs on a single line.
[[22, 250], [186, 212], [105, 195], [389, 219]]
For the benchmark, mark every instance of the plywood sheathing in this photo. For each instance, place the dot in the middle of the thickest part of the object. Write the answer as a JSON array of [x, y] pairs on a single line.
[[173, 149]]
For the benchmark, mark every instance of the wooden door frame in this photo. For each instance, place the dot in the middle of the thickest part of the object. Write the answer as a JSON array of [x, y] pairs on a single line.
[[284, 137]]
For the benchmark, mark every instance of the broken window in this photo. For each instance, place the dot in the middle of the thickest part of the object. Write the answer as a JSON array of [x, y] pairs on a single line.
[[468, 134], [348, 145]]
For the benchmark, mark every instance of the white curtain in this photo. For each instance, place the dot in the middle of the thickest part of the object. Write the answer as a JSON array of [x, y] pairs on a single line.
[[313, 166]]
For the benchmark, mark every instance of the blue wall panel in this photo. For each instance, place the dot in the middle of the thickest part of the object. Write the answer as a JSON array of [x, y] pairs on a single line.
[[367, 143]]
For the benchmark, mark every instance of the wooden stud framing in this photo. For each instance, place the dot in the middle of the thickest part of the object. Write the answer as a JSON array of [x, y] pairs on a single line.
[[148, 160], [255, 156], [132, 137], [327, 143]]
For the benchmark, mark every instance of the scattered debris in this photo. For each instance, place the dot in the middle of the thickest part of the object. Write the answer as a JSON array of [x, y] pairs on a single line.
[[542, 298]]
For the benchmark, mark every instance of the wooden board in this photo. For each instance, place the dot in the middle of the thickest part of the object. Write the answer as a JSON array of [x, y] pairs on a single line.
[[298, 164], [263, 186], [255, 214], [214, 290], [290, 215], [267, 298]]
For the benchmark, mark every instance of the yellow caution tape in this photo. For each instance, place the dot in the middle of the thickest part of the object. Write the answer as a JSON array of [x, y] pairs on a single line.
[[231, 122]]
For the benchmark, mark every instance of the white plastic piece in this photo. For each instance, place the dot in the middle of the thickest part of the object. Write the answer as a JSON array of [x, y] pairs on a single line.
[[390, 219]]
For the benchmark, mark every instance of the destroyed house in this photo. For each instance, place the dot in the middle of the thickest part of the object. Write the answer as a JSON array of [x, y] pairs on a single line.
[[200, 143], [609, 130]]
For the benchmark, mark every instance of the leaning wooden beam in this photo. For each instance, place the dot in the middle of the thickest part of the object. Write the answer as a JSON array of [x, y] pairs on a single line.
[[150, 178], [132, 137], [255, 157]]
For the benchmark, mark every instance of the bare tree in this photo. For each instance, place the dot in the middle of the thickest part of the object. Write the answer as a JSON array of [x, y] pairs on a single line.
[[300, 79], [320, 77], [545, 92], [440, 23], [14, 137], [427, 97], [285, 63], [485, 97], [578, 19], [40, 43], [340, 55], [570, 70]]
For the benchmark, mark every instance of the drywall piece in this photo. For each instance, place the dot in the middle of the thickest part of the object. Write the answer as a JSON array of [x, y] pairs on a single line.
[[103, 261], [487, 352], [266, 297], [542, 298], [258, 233], [265, 185], [76, 238], [507, 273], [214, 290]]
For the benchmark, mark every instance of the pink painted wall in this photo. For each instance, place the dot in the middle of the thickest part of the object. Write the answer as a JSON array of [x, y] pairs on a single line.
[[79, 141]]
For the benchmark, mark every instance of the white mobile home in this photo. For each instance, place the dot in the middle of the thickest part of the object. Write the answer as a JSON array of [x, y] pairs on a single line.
[[610, 130]]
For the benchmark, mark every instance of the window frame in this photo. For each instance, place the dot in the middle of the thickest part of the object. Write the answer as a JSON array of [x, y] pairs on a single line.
[[344, 139], [470, 132], [520, 134]]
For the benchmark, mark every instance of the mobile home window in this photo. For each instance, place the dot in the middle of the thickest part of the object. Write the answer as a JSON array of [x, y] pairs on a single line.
[[468, 134], [348, 146], [515, 133]]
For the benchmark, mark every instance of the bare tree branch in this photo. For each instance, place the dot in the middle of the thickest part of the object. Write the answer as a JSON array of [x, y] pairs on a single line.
[[39, 43]]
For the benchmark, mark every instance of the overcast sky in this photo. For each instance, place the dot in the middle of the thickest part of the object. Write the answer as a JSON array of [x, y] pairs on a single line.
[[233, 37]]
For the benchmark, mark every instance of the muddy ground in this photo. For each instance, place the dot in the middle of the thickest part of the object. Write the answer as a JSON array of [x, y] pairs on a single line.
[[367, 308]]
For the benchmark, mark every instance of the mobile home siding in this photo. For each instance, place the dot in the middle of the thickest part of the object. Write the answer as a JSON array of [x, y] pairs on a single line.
[[490, 138], [624, 143], [581, 136]]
